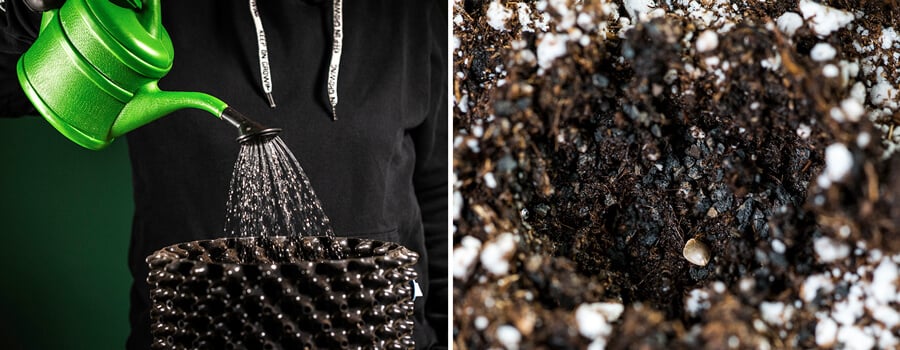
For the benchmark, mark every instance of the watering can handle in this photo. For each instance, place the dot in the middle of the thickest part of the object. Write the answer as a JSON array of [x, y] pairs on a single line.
[[43, 5], [47, 5], [132, 4]]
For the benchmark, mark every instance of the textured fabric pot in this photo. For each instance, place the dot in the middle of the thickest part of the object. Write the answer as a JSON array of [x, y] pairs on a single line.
[[282, 293]]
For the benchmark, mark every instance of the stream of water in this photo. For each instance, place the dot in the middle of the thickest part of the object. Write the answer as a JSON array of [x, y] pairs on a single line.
[[270, 194]]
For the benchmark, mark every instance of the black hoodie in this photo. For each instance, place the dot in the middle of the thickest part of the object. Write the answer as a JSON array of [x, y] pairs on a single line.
[[380, 170]]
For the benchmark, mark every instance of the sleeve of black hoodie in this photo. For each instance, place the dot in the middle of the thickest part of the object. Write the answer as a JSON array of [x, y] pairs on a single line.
[[430, 178], [19, 28]]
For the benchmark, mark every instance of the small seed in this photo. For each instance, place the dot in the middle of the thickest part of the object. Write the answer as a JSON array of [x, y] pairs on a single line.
[[696, 252]]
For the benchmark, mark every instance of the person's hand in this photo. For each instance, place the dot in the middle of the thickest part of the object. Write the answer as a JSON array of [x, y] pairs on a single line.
[[44, 5]]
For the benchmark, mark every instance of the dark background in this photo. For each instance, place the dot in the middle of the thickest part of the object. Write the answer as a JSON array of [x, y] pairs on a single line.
[[66, 215]]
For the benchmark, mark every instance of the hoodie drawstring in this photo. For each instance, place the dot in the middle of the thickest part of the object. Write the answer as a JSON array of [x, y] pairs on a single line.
[[265, 74], [337, 43]]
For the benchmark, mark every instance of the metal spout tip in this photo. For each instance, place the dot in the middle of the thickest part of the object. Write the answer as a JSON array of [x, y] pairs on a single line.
[[248, 130]]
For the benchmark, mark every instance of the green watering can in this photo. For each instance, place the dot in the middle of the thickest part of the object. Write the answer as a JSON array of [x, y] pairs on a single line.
[[93, 72]]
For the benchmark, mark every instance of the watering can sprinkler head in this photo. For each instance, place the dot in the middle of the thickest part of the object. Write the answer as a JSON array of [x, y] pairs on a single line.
[[249, 130]]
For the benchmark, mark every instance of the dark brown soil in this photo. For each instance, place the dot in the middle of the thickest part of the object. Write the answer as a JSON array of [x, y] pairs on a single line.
[[608, 162]]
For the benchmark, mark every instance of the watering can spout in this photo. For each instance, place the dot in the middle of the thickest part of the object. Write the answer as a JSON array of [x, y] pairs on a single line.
[[151, 103]]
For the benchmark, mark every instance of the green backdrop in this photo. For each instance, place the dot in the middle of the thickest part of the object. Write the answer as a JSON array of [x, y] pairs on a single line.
[[66, 221]]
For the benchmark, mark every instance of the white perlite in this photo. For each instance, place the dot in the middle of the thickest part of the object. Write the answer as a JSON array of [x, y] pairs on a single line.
[[848, 324], [597, 344], [495, 255], [883, 93], [789, 22], [830, 71], [848, 321], [497, 15], [775, 313], [826, 332], [524, 15], [457, 204], [884, 282], [858, 92], [824, 19], [853, 110], [837, 115], [847, 311], [566, 14], [854, 338], [463, 104], [814, 284], [822, 52], [886, 315], [830, 250], [481, 323], [804, 131], [636, 8], [696, 302], [509, 336], [707, 41], [585, 21], [593, 319], [464, 257], [888, 37], [850, 110], [838, 162], [778, 246], [719, 287], [610, 311], [862, 140], [489, 180], [550, 47]]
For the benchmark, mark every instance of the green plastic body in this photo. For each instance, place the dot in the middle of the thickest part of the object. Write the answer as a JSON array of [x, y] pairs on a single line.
[[93, 71]]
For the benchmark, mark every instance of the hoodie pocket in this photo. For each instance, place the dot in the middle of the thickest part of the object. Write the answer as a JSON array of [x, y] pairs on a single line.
[[387, 236]]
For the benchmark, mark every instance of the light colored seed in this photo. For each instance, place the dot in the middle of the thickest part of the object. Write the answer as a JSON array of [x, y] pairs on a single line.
[[696, 252]]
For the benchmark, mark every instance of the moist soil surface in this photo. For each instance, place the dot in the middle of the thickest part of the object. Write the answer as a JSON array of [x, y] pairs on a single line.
[[593, 139]]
